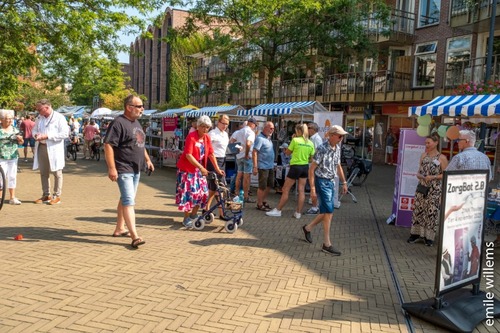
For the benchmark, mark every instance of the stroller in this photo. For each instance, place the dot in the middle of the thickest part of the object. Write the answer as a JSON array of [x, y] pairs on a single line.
[[232, 210]]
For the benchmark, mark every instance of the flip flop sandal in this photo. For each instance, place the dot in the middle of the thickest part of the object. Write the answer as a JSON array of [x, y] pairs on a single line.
[[266, 205], [122, 234], [263, 208], [136, 242]]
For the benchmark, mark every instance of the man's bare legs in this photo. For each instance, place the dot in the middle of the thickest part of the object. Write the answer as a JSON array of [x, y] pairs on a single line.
[[326, 218], [126, 216]]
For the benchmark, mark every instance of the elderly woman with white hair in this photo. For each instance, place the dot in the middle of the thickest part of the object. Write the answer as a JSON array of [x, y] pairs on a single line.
[[10, 138], [192, 188]]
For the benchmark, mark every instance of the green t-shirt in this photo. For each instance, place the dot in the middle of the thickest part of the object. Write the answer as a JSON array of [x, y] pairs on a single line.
[[8, 148], [302, 151]]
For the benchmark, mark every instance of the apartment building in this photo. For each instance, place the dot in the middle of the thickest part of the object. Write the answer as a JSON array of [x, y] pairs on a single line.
[[430, 48]]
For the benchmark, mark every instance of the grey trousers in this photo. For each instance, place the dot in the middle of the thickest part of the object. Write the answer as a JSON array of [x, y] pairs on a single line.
[[44, 166]]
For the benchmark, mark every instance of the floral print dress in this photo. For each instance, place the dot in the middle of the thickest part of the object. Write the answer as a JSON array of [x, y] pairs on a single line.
[[426, 212], [192, 188]]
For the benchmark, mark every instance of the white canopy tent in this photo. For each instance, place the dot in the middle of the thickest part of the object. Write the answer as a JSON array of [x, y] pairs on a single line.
[[211, 111], [281, 109]]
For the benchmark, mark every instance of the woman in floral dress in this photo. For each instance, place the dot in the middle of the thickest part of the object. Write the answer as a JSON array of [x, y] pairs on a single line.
[[192, 188], [427, 207]]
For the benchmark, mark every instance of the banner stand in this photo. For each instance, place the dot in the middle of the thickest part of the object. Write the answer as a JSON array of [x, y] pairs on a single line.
[[460, 254], [457, 311]]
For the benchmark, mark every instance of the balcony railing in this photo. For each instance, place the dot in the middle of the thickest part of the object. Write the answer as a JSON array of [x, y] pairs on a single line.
[[470, 70]]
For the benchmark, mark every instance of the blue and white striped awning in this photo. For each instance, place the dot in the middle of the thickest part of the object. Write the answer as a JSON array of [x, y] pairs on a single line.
[[213, 110], [171, 113], [279, 109], [463, 105]]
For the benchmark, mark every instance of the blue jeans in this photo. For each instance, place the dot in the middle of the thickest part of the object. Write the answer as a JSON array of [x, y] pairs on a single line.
[[324, 191], [127, 183]]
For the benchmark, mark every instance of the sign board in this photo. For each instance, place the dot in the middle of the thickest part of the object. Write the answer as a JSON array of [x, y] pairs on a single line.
[[411, 146], [461, 229]]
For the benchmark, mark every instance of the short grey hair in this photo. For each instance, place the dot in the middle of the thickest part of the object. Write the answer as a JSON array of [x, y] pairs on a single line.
[[469, 135], [204, 120], [313, 126], [4, 113]]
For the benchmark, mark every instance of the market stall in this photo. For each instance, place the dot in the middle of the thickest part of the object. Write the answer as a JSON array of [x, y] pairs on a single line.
[[464, 109], [163, 138]]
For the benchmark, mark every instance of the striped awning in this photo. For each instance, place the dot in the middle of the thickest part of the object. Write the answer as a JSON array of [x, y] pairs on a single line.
[[278, 109], [171, 113], [213, 110], [463, 105]]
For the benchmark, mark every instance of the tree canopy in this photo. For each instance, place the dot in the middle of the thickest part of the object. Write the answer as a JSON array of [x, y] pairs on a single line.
[[279, 34], [56, 37]]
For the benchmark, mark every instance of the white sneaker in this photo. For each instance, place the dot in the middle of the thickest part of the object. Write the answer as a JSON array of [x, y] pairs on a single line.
[[274, 212], [297, 215], [14, 201]]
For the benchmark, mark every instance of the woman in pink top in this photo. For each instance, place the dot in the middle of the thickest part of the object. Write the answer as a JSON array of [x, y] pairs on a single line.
[[88, 136]]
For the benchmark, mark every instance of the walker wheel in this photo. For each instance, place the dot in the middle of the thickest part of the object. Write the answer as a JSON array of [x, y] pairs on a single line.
[[209, 218], [199, 224], [240, 222], [231, 227]]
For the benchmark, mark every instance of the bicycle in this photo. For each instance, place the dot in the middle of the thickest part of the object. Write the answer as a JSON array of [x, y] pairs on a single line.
[[71, 150], [95, 148]]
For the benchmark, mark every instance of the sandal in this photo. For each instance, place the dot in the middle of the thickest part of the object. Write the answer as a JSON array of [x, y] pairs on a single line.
[[266, 205], [122, 234], [263, 208], [136, 242]]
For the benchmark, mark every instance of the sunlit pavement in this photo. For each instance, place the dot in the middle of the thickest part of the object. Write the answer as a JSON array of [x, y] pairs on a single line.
[[69, 275]]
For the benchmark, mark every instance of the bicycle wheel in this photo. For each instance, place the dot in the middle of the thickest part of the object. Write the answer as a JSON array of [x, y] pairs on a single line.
[[3, 188], [97, 155], [360, 178], [73, 153]]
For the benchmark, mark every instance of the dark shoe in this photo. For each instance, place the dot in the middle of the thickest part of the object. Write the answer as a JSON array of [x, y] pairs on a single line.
[[138, 241], [428, 242], [265, 204], [413, 239], [307, 234], [330, 249], [123, 234], [224, 218], [263, 208]]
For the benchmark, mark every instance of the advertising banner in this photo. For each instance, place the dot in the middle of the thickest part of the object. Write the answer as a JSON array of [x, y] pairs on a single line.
[[461, 229], [411, 146]]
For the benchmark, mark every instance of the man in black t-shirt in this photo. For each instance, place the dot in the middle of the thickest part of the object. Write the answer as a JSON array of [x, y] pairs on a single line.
[[125, 155]]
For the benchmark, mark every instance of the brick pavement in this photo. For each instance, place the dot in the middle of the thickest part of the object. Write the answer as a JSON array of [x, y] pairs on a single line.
[[69, 275]]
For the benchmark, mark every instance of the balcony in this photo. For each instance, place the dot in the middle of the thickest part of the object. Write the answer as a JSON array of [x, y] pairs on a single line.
[[401, 30], [473, 15], [470, 70]]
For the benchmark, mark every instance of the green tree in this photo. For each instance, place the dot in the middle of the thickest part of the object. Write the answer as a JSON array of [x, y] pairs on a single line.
[[54, 37], [276, 35]]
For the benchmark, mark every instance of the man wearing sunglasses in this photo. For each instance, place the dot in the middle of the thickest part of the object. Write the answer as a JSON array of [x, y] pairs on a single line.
[[322, 172]]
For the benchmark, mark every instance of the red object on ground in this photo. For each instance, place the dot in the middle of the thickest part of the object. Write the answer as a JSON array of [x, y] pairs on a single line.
[[18, 237]]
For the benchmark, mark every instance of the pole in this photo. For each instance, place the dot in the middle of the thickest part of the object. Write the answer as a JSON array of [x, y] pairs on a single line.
[[489, 58], [188, 62]]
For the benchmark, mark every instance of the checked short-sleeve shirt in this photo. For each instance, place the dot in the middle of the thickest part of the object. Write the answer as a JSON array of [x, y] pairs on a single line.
[[327, 158]]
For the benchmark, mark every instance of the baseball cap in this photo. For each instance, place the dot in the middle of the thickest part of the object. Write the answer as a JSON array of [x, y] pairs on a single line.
[[336, 129], [252, 120], [284, 145]]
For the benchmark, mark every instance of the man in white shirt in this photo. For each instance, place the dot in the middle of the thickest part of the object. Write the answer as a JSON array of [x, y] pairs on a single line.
[[317, 141], [220, 140], [245, 136]]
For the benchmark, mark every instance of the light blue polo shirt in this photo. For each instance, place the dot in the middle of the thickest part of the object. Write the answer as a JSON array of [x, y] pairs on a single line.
[[265, 152]]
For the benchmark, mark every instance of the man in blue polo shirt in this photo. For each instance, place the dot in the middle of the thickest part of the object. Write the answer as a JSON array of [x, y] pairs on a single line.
[[263, 164]]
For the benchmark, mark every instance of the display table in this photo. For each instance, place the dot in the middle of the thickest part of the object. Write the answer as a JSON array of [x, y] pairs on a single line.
[[492, 223]]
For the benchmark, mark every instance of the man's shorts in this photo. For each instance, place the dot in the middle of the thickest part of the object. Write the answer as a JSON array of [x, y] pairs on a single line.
[[212, 186], [266, 178], [244, 165], [29, 142], [127, 183], [298, 171], [389, 149], [325, 192]]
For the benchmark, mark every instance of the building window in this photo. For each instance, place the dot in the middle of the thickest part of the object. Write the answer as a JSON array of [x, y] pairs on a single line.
[[458, 64], [430, 11], [425, 64]]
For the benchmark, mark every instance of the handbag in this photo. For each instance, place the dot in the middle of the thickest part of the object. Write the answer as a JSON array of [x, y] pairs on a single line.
[[424, 190]]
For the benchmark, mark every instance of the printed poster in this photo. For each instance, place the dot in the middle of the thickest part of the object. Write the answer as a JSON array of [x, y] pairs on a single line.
[[461, 229]]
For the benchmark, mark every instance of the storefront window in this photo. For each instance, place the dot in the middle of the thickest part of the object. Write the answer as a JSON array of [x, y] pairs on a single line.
[[360, 135]]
